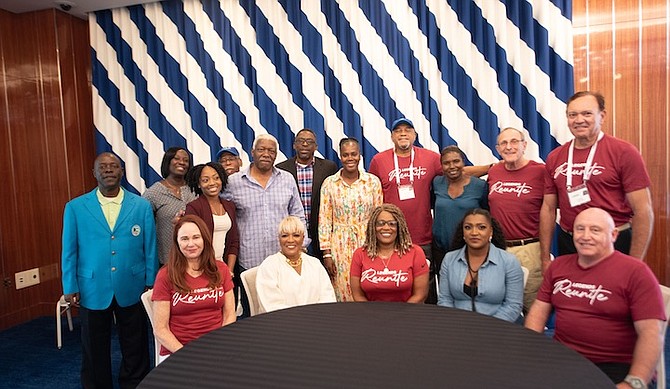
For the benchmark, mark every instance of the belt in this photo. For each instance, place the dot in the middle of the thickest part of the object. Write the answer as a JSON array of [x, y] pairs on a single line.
[[623, 227], [521, 242]]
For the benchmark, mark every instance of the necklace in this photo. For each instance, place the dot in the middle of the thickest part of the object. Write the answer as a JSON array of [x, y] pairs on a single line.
[[388, 259], [294, 263], [173, 188]]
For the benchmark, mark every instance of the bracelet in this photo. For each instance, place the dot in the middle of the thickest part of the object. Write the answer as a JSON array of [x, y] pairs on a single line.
[[327, 255]]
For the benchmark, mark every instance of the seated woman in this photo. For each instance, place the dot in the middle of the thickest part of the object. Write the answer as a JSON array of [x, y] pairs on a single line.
[[388, 267], [291, 277], [193, 293], [481, 276]]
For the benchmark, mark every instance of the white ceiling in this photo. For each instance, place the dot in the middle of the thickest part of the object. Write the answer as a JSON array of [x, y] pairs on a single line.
[[79, 8]]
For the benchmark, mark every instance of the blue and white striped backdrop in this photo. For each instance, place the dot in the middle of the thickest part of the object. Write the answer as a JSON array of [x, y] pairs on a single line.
[[202, 74]]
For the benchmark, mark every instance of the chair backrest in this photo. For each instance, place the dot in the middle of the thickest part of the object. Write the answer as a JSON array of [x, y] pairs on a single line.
[[660, 368], [149, 307], [526, 272], [249, 281]]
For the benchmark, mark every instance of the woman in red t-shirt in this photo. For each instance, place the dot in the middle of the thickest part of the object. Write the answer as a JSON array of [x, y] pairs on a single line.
[[388, 267], [193, 293]]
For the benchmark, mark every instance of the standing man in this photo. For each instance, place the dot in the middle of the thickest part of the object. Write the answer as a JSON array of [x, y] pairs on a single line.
[[608, 305], [406, 173], [516, 192], [108, 260], [230, 159], [263, 196], [309, 172], [596, 170]]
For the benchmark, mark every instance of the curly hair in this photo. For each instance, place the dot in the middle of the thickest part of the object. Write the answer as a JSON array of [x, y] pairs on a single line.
[[178, 264], [498, 239], [193, 176], [403, 241], [167, 158]]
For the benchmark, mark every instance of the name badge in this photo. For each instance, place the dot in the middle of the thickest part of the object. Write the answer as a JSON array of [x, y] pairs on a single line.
[[578, 195], [405, 192]]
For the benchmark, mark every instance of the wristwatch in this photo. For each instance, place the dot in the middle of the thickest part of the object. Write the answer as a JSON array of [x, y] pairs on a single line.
[[635, 382]]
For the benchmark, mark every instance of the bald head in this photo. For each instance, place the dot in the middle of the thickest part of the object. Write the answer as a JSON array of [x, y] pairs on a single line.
[[594, 235]]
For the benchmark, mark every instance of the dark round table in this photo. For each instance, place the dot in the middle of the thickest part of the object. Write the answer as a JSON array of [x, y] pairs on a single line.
[[375, 345]]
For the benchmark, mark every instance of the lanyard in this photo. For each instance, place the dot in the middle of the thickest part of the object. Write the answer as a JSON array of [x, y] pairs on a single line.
[[411, 167], [589, 160]]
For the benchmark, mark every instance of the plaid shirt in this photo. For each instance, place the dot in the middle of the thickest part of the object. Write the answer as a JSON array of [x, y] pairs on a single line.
[[260, 210], [305, 175]]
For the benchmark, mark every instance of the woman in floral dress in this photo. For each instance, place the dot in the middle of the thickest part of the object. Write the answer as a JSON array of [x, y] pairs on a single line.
[[347, 200]]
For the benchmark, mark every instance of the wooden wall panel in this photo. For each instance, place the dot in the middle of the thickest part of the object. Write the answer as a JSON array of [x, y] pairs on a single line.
[[46, 82], [623, 45]]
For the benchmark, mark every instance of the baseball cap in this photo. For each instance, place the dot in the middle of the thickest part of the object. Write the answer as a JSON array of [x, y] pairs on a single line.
[[231, 150], [400, 121]]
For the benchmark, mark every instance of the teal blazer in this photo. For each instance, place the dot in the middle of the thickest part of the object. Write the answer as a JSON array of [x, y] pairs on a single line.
[[99, 263]]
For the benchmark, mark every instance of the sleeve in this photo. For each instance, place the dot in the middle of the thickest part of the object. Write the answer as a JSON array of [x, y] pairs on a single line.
[[374, 167], [549, 184], [69, 253], [634, 175], [438, 165], [419, 262], [270, 295], [326, 215], [544, 293], [233, 236], [646, 300], [377, 194], [149, 195], [513, 302], [190, 209], [295, 208], [357, 262], [150, 251], [227, 280], [162, 289], [445, 298]]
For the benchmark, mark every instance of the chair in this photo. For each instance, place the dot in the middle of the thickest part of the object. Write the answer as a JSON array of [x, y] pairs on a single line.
[[526, 272], [62, 307], [148, 306], [249, 281], [660, 368]]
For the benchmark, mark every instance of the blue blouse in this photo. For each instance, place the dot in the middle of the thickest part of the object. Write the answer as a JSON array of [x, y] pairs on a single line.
[[499, 288], [449, 212]]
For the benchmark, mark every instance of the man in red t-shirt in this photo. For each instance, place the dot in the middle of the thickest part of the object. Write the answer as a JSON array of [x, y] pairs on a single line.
[[596, 170], [406, 173], [516, 192], [608, 304]]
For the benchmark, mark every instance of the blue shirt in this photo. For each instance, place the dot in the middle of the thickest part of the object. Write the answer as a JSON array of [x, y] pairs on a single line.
[[499, 288], [260, 210], [449, 212]]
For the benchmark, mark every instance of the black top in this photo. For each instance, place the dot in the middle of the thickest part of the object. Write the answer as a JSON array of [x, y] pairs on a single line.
[[375, 345]]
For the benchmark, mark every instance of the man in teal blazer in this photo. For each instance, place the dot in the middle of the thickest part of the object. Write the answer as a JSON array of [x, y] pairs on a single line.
[[109, 259]]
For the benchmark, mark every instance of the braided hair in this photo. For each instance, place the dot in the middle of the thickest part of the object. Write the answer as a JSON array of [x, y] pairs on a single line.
[[403, 241]]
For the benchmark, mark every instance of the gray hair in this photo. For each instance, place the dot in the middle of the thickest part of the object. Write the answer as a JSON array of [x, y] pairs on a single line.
[[265, 137]]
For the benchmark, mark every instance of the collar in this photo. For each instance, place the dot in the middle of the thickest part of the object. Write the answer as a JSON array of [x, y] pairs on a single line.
[[300, 165], [118, 199], [492, 258]]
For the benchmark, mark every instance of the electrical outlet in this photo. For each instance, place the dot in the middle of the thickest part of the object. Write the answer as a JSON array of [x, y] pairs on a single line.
[[27, 278]]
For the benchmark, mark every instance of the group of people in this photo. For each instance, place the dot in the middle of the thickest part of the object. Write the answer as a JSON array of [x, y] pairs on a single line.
[[417, 220]]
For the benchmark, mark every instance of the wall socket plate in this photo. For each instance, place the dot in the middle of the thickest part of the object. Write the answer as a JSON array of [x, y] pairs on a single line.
[[27, 278]]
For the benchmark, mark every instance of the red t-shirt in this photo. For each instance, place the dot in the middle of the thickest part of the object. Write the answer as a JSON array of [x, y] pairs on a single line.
[[596, 307], [393, 283], [417, 210], [515, 199], [196, 313], [617, 169]]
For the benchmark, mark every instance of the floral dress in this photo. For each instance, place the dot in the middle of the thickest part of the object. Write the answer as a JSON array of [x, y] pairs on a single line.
[[343, 218]]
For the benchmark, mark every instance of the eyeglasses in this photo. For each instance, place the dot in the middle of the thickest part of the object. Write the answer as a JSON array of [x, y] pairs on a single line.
[[302, 141], [585, 114], [228, 159], [390, 223], [512, 142]]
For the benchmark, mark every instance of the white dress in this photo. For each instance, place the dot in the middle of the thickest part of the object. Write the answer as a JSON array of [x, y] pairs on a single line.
[[279, 286]]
